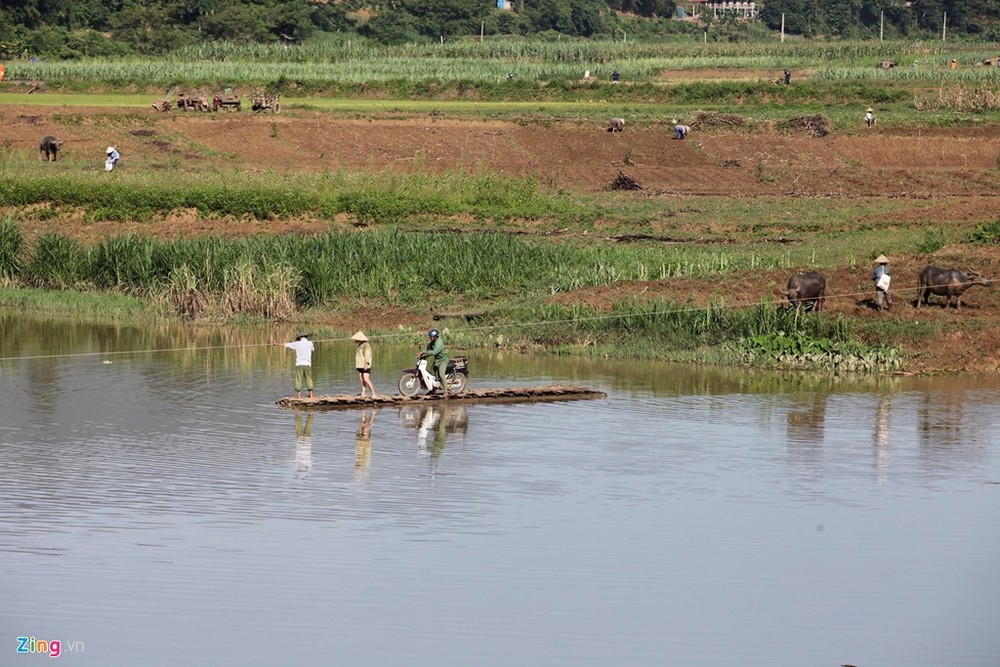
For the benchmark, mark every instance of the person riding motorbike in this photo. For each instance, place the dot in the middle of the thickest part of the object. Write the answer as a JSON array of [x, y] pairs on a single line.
[[438, 357]]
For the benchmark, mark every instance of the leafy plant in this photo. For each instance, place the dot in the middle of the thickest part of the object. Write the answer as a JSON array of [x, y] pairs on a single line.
[[986, 233], [932, 242]]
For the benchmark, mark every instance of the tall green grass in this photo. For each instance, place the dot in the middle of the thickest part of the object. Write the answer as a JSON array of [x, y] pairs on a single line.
[[11, 249], [384, 264]]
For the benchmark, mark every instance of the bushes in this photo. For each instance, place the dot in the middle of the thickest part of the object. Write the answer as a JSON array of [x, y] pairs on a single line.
[[762, 335], [800, 350], [57, 262], [986, 234], [11, 249]]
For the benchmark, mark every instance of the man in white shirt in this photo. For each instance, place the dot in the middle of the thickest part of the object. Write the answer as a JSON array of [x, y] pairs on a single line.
[[303, 363]]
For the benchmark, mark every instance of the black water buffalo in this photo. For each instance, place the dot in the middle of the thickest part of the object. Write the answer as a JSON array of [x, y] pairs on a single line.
[[48, 148], [950, 283], [807, 290]]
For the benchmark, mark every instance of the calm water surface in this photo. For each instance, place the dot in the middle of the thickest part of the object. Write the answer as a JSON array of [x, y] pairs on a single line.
[[161, 510]]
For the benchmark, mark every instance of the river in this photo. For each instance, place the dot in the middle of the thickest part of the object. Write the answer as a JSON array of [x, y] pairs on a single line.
[[159, 509]]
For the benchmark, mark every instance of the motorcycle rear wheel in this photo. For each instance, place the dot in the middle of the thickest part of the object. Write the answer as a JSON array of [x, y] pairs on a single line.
[[409, 384], [457, 382]]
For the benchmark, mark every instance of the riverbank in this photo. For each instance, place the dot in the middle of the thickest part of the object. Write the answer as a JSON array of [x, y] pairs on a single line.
[[516, 221]]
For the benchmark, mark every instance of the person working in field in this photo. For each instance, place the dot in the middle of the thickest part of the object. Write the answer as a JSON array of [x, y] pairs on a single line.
[[111, 158], [436, 355], [870, 119], [363, 363], [680, 129], [880, 275], [303, 363]]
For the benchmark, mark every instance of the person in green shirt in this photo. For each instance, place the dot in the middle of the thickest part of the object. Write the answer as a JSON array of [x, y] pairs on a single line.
[[437, 356]]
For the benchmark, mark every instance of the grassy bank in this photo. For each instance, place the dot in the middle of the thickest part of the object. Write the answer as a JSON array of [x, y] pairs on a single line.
[[400, 268], [301, 277]]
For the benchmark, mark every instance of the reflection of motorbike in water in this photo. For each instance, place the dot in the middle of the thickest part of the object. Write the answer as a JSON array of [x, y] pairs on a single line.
[[434, 422], [421, 378]]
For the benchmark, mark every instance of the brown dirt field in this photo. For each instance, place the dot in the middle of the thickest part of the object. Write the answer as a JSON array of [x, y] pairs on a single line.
[[956, 169]]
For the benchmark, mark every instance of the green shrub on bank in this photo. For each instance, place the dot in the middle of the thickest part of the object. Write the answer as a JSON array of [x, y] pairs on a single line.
[[761, 335], [798, 349], [11, 250], [57, 262]]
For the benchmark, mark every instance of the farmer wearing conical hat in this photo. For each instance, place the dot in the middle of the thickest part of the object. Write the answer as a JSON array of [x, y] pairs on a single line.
[[363, 363], [869, 117], [880, 275]]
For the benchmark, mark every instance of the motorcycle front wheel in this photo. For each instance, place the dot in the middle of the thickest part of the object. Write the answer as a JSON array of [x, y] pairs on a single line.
[[409, 384], [457, 382]]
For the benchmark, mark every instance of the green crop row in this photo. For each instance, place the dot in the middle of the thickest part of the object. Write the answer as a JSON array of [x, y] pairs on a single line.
[[566, 50], [386, 198], [492, 61]]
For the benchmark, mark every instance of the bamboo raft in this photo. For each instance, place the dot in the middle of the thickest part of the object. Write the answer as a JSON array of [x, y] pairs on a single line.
[[501, 395]]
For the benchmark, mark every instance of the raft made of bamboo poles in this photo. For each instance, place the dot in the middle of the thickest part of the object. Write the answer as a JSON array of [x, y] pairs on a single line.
[[499, 395]]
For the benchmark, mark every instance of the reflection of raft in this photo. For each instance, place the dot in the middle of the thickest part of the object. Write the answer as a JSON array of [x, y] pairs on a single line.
[[504, 395]]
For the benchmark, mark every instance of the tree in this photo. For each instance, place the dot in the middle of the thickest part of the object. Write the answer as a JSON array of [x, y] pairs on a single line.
[[391, 28], [447, 17], [796, 13], [245, 24], [843, 17]]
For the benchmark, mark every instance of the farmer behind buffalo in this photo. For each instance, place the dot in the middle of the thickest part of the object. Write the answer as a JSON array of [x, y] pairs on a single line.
[[48, 148]]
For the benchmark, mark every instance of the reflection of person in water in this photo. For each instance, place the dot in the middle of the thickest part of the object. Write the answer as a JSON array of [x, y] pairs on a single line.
[[303, 442], [435, 422], [431, 422], [881, 440], [363, 446]]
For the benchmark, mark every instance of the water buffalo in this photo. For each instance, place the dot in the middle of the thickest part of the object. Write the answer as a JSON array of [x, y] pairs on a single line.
[[807, 290], [48, 148], [950, 283]]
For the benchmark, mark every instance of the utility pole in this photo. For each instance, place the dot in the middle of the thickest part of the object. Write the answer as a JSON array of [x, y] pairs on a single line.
[[881, 27], [782, 27], [944, 27]]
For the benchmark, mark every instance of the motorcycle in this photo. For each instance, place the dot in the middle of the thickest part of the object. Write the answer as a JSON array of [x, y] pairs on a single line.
[[421, 378]]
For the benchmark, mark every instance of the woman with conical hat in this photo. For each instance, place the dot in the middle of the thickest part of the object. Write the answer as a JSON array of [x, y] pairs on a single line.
[[363, 363], [880, 275]]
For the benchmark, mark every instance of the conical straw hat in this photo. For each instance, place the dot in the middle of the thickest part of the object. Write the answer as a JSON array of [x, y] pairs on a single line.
[[881, 259], [360, 337]]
